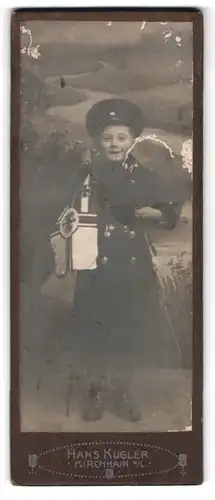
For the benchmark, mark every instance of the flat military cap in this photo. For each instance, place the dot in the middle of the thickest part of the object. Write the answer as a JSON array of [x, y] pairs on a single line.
[[114, 112]]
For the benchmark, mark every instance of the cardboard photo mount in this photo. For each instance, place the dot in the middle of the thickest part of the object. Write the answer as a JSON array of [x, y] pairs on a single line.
[[170, 458]]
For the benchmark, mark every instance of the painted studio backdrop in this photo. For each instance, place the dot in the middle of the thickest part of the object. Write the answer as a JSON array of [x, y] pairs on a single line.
[[84, 366]]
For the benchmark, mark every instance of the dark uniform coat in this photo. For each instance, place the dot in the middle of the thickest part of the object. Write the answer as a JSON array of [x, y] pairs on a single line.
[[116, 318], [117, 315]]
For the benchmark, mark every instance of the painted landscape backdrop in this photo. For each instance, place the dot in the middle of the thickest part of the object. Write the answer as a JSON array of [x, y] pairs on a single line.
[[80, 64]]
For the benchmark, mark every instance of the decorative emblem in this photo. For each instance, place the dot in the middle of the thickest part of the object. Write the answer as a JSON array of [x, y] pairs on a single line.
[[182, 462], [29, 50], [69, 222], [109, 468], [109, 473], [32, 462]]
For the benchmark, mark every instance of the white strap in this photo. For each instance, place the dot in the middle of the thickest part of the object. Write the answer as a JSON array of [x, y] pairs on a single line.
[[85, 199]]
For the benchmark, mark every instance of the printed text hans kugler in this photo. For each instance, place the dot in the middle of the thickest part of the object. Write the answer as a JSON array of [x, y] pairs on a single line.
[[107, 458]]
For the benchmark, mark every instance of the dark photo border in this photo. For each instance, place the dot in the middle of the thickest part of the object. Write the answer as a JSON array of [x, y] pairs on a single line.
[[176, 456]]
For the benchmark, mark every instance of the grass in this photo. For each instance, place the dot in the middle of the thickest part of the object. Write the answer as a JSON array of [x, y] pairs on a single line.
[[176, 295], [66, 96], [114, 80]]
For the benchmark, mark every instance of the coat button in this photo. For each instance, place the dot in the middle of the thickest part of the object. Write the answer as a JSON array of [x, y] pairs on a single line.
[[132, 234], [104, 260], [133, 260]]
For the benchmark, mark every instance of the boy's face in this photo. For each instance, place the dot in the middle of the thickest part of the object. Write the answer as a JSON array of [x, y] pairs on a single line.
[[115, 141]]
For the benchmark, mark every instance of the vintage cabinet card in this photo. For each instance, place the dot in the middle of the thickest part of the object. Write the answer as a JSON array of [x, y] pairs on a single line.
[[106, 252]]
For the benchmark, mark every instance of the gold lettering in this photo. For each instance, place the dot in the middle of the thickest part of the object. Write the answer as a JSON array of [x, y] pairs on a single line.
[[90, 464], [79, 464], [71, 453], [107, 453], [144, 453]]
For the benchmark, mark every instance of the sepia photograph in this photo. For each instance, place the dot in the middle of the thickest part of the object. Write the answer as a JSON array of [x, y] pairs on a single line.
[[106, 190]]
